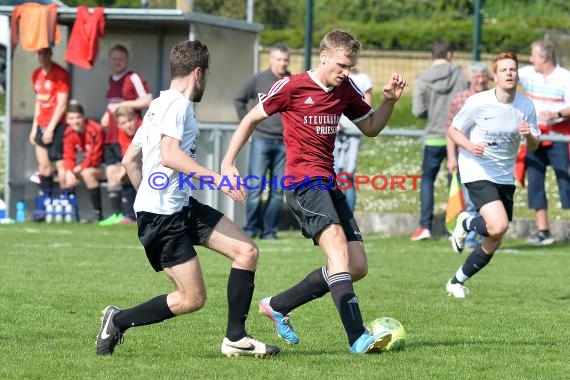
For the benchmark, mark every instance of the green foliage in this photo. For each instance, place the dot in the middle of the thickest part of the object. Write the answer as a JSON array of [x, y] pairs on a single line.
[[61, 277]]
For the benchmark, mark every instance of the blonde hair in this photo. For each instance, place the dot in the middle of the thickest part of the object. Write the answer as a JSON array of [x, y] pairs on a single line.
[[124, 111], [340, 40]]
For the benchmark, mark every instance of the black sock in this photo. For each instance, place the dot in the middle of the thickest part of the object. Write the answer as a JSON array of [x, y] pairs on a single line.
[[240, 293], [311, 287], [477, 224], [153, 311], [46, 183], [95, 195], [128, 195], [346, 303], [115, 199], [475, 262]]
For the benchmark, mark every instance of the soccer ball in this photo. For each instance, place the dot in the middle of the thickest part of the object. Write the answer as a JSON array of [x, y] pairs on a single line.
[[397, 330]]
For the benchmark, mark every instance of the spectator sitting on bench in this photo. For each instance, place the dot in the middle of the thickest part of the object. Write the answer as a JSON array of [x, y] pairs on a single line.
[[83, 154]]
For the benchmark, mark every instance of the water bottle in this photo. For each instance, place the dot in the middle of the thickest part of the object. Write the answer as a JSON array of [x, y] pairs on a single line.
[[20, 211], [58, 211], [2, 209], [49, 210], [69, 212]]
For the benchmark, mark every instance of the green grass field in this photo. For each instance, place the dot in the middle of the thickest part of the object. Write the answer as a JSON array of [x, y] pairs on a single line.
[[57, 278]]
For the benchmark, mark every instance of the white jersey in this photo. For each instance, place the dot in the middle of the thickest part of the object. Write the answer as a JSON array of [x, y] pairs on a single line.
[[364, 84], [171, 114], [484, 119]]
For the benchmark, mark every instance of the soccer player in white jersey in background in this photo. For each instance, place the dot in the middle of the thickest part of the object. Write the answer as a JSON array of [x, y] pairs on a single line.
[[311, 105], [488, 130], [170, 221]]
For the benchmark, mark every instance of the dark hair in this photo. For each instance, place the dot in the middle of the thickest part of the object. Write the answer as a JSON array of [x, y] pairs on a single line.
[[121, 48], [75, 107], [279, 47], [187, 55], [440, 49], [505, 55]]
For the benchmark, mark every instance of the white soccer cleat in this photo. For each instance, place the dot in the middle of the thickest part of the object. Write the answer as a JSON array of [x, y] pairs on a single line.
[[456, 290], [459, 233], [247, 346]]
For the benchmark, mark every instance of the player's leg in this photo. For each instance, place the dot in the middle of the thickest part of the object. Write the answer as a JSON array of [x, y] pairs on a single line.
[[257, 167], [536, 163], [44, 168], [169, 247], [215, 231], [92, 177], [495, 203]]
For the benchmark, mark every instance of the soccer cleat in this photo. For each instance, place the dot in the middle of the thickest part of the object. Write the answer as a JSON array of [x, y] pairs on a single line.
[[112, 220], [421, 233], [282, 323], [541, 238], [109, 336], [456, 290], [459, 233], [247, 346], [368, 343]]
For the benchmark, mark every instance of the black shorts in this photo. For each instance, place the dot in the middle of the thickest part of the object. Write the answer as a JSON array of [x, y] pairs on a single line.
[[483, 192], [113, 154], [315, 209], [55, 149], [169, 240]]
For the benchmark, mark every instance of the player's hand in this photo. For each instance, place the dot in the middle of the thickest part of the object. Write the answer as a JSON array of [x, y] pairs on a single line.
[[393, 89], [478, 149], [70, 178], [47, 137], [32, 138], [452, 164], [237, 190], [524, 128]]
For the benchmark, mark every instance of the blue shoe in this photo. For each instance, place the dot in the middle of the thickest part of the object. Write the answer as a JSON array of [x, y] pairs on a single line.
[[282, 323], [371, 343]]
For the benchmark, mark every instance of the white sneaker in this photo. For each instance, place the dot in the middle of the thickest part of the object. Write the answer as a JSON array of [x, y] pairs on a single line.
[[456, 290], [459, 234], [247, 346]]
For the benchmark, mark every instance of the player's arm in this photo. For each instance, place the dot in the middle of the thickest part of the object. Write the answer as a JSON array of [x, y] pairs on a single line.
[[391, 91], [459, 138], [239, 138], [34, 130], [59, 111], [173, 157], [132, 162], [531, 140]]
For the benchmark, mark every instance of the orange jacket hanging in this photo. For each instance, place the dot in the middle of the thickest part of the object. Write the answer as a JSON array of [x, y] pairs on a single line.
[[83, 43], [36, 25]]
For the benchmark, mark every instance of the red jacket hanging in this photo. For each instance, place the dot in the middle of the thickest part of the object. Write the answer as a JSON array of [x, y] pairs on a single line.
[[36, 25], [83, 43]]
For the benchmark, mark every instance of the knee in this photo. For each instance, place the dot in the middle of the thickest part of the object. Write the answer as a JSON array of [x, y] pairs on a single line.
[[498, 228], [247, 256], [188, 303], [359, 272]]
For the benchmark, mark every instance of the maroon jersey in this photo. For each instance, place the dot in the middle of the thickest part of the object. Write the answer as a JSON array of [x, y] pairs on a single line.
[[310, 113], [129, 86]]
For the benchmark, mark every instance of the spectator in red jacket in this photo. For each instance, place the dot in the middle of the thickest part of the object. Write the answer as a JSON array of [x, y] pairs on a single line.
[[83, 154]]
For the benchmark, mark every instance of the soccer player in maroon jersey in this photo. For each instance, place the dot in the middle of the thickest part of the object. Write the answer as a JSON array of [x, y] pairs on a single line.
[[126, 88], [311, 104]]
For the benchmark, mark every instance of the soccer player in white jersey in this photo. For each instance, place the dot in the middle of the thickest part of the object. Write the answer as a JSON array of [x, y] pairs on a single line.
[[170, 221], [488, 130], [311, 105]]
